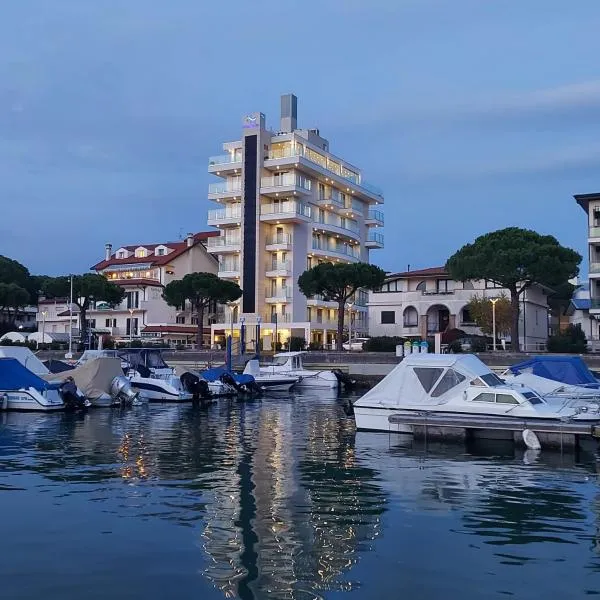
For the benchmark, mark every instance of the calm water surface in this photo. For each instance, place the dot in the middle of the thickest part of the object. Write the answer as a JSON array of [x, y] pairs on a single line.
[[283, 499]]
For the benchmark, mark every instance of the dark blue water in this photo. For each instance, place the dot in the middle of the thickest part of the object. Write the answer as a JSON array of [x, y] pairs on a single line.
[[283, 499]]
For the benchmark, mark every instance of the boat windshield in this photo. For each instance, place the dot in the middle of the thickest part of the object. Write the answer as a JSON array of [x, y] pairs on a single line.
[[279, 361], [491, 379]]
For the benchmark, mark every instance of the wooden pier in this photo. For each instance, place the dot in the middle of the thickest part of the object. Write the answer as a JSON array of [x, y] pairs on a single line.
[[463, 428]]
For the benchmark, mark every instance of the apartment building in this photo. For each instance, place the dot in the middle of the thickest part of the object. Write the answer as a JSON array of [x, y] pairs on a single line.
[[142, 270], [420, 303], [286, 204]]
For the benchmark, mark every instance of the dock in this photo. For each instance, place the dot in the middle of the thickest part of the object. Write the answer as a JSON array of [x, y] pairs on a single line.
[[569, 434]]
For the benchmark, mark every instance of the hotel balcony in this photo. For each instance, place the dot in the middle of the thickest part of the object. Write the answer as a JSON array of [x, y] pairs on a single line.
[[229, 269], [284, 184], [278, 269], [270, 319], [595, 305], [318, 300], [594, 271], [341, 251], [325, 166], [288, 211], [279, 241], [374, 240], [223, 217], [224, 164], [374, 218], [348, 229], [224, 190], [278, 296], [223, 244]]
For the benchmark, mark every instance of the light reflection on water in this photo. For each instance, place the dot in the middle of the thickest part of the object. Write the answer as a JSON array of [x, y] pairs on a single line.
[[282, 498]]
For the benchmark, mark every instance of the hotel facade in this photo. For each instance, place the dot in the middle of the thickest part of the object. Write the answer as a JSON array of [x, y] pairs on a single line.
[[285, 204]]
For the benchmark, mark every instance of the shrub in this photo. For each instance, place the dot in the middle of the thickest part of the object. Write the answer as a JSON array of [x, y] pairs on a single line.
[[572, 340], [297, 343], [383, 343], [315, 346]]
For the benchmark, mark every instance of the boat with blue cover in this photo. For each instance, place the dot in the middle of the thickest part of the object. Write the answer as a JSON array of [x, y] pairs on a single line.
[[20, 389]]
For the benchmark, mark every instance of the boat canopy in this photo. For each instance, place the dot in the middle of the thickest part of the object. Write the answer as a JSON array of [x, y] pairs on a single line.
[[14, 376], [145, 357], [564, 369], [26, 357], [426, 378]]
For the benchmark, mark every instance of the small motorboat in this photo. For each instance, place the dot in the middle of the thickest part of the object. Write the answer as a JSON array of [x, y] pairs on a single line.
[[270, 382], [457, 385], [290, 363], [223, 382], [21, 389]]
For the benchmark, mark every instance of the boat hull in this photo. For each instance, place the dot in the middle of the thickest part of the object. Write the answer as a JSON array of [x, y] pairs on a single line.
[[275, 385], [321, 379], [157, 390], [31, 400]]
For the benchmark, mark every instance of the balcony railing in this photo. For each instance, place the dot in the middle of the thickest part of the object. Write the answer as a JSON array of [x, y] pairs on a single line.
[[222, 214], [286, 180], [224, 159], [280, 265], [323, 162], [279, 238], [289, 207], [594, 267], [341, 224], [218, 242], [375, 215], [284, 293], [594, 232], [224, 187], [595, 303], [375, 237], [337, 249], [278, 318], [229, 266]]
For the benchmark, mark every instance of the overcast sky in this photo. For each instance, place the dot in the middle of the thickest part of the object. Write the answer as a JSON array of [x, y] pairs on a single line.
[[471, 114]]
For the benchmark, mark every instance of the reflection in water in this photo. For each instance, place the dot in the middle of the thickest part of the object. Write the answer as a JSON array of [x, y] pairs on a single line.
[[282, 498]]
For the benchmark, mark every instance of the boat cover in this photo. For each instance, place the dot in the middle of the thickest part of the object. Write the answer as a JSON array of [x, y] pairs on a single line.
[[215, 374], [565, 369], [14, 376], [93, 378], [545, 386], [405, 383], [57, 366], [26, 357]]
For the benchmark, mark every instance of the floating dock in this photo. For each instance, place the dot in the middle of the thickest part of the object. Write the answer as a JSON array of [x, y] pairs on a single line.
[[570, 434]]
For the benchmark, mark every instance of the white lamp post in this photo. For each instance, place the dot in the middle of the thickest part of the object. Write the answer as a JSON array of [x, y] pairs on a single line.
[[131, 326], [493, 301], [70, 352], [350, 305], [44, 313]]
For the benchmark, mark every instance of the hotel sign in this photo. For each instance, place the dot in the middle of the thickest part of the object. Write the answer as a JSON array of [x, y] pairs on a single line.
[[252, 121]]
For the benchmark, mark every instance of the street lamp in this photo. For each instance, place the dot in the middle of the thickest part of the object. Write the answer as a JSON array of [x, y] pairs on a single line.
[[493, 301], [131, 326], [44, 313]]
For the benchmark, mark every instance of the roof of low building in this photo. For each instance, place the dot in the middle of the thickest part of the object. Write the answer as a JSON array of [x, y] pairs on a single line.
[[136, 281], [172, 329], [177, 248], [429, 272]]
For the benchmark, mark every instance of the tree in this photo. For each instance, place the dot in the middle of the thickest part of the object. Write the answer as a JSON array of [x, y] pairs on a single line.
[[571, 340], [87, 289], [482, 312], [12, 298], [515, 259], [339, 282], [200, 290]]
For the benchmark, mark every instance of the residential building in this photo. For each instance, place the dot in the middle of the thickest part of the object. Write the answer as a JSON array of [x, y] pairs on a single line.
[[420, 303], [579, 313], [142, 270], [23, 319], [590, 203], [286, 204]]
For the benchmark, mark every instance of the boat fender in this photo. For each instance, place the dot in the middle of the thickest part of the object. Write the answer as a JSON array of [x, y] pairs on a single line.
[[531, 439]]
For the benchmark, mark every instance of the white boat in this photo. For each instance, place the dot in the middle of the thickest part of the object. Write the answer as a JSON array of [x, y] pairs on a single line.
[[20, 389], [456, 384], [270, 382], [290, 363]]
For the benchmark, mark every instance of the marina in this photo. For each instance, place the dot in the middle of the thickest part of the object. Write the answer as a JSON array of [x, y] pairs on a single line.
[[283, 498]]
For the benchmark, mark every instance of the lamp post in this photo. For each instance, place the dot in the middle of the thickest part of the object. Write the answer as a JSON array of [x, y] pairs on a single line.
[[130, 326], [493, 301], [70, 352], [44, 313], [258, 322]]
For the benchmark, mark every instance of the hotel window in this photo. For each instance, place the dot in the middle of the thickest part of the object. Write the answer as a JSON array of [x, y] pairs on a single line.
[[442, 285], [321, 192], [492, 285], [121, 254], [131, 327], [388, 317], [180, 320], [411, 317], [110, 323], [422, 286], [160, 252], [466, 316], [194, 320], [91, 323]]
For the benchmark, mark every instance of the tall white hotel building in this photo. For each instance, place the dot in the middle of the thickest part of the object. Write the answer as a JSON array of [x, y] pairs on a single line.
[[286, 204]]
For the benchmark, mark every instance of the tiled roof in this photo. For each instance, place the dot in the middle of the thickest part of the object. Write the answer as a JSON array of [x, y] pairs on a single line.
[[430, 272], [177, 248]]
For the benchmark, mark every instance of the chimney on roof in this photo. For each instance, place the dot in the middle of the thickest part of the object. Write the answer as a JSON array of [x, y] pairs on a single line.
[[289, 113], [190, 240], [107, 251]]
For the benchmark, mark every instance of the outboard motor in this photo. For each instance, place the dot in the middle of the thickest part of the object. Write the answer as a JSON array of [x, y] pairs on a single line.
[[194, 385], [121, 390], [71, 396]]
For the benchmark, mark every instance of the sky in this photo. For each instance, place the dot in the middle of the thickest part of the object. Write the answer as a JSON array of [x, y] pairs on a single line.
[[472, 115]]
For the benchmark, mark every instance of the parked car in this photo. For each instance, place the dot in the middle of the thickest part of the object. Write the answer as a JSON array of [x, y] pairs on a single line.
[[354, 344]]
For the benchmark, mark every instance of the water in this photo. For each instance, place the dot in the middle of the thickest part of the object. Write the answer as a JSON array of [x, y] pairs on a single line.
[[282, 499]]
